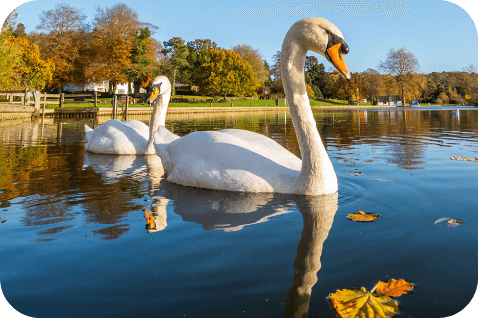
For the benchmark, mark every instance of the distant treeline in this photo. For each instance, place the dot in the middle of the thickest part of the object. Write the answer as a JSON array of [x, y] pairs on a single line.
[[118, 48]]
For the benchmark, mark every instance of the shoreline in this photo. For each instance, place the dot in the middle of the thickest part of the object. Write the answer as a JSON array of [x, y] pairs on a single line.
[[8, 111]]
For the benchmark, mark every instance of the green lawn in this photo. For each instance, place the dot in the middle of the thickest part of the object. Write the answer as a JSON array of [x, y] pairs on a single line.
[[244, 103]]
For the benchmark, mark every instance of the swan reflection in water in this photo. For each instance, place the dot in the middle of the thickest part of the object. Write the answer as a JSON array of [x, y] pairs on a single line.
[[232, 211], [113, 167]]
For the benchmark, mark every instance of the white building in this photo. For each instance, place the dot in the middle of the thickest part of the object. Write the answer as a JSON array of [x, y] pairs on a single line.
[[99, 87]]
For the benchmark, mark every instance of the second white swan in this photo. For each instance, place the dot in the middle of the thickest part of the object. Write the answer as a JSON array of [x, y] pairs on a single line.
[[130, 137], [239, 160]]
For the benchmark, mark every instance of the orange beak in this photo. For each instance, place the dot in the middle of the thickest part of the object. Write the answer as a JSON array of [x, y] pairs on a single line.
[[154, 95], [337, 58]]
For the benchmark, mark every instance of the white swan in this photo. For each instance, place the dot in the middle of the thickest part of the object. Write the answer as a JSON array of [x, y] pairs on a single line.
[[239, 160], [131, 136]]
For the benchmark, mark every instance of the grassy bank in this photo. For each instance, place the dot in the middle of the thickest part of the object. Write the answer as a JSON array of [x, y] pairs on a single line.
[[243, 103]]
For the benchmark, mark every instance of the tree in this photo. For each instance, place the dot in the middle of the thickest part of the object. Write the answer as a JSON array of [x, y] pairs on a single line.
[[254, 58], [10, 23], [316, 76], [401, 64], [29, 70], [470, 69], [390, 85], [61, 22], [20, 31], [59, 27], [224, 72], [113, 35], [8, 53], [372, 83], [277, 86], [177, 53], [142, 68]]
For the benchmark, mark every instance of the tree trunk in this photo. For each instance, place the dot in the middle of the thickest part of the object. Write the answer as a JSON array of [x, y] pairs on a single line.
[[174, 82]]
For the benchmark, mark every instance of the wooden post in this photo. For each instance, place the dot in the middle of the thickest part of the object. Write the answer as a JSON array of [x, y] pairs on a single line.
[[62, 99], [44, 100], [210, 104], [114, 106], [96, 99], [232, 104], [127, 104], [26, 100], [36, 97]]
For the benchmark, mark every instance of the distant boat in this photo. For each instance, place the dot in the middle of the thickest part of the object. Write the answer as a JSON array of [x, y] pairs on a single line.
[[414, 103]]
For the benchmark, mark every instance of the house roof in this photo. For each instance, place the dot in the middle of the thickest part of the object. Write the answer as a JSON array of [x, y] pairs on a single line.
[[388, 98]]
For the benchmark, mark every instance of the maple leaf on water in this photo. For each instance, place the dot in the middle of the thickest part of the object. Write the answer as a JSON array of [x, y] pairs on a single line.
[[394, 287], [361, 216], [359, 303], [351, 303]]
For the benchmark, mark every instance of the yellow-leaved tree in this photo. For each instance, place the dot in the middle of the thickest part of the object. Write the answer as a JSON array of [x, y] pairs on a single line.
[[28, 69], [224, 72]]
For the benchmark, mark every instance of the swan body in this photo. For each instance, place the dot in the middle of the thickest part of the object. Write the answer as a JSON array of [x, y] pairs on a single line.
[[238, 160], [128, 137]]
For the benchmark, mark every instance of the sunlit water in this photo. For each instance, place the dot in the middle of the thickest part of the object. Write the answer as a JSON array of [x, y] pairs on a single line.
[[86, 235]]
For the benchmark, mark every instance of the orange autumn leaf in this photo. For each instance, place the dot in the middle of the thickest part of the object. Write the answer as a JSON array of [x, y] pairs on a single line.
[[149, 219], [361, 216], [351, 303], [394, 287]]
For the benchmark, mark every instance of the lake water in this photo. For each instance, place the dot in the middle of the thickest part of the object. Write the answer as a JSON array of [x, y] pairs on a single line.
[[87, 235]]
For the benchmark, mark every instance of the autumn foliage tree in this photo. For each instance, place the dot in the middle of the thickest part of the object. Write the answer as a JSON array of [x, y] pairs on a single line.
[[29, 70], [253, 57], [403, 66], [8, 52], [223, 72], [21, 65], [113, 35], [58, 29]]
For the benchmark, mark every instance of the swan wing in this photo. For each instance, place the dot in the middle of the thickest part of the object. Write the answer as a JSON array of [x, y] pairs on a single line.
[[115, 137], [162, 138], [234, 160]]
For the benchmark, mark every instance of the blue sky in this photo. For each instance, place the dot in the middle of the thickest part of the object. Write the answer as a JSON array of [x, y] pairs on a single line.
[[441, 35]]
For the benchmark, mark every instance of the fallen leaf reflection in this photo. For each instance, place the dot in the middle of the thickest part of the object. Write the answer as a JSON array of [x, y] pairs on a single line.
[[361, 216]]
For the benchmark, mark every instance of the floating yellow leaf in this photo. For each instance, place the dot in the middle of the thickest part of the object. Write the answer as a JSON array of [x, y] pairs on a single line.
[[149, 219], [394, 287], [351, 303], [361, 216], [455, 221]]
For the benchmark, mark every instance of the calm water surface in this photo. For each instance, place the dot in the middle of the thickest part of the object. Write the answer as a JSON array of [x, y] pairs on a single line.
[[87, 235]]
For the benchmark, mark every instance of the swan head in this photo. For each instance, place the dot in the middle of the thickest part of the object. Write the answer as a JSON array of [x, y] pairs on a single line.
[[160, 86], [321, 36]]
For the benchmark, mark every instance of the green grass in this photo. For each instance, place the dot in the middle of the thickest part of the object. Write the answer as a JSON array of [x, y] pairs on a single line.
[[243, 103]]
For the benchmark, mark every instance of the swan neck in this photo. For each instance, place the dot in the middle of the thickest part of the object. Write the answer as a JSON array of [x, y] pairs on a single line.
[[317, 173], [158, 118]]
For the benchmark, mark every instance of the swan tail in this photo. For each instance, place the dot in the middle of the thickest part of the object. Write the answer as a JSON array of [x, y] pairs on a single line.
[[88, 134], [88, 128], [162, 138]]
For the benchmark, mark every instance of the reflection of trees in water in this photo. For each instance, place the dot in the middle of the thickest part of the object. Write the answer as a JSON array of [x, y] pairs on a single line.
[[60, 183], [53, 180], [404, 135]]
